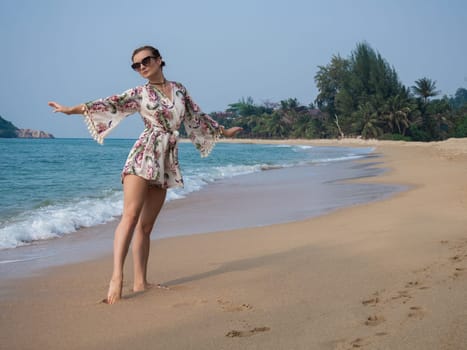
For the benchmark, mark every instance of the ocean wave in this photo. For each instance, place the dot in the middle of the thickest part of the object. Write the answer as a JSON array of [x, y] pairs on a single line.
[[56, 220], [53, 218], [196, 179], [50, 220]]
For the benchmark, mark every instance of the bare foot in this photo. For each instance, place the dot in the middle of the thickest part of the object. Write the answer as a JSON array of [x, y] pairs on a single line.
[[115, 291], [141, 287]]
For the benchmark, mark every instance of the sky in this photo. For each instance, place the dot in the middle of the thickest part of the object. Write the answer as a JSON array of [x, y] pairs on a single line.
[[75, 51]]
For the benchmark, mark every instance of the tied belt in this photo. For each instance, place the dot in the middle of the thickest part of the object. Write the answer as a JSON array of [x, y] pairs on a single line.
[[169, 138], [168, 141]]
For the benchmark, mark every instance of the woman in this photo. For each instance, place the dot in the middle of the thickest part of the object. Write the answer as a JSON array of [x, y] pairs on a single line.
[[152, 164]]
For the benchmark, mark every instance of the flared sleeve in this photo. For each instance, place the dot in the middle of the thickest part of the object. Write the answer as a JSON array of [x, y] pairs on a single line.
[[103, 115], [202, 130]]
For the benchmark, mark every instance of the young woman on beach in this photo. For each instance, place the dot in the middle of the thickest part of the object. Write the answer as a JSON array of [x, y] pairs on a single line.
[[152, 164]]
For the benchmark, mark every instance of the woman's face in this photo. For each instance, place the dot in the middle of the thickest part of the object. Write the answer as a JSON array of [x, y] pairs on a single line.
[[148, 65]]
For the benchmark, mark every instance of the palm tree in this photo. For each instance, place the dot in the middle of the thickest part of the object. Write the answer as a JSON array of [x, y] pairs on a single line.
[[396, 112], [368, 121], [425, 88], [277, 126]]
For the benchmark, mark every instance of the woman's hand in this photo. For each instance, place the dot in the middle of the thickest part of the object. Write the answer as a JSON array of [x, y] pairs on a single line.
[[58, 107], [64, 109], [231, 132]]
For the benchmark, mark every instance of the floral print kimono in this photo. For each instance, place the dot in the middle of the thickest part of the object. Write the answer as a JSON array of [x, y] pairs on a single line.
[[154, 156]]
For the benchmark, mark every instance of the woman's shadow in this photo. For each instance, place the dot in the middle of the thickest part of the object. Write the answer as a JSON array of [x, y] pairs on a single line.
[[240, 265]]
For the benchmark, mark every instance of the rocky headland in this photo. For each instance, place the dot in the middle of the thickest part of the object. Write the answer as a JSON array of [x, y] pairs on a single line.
[[8, 130]]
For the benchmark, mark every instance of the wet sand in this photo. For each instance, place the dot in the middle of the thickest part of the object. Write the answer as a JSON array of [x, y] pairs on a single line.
[[390, 274]]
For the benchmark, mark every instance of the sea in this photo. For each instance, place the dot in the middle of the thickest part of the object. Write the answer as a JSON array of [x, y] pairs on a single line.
[[54, 188]]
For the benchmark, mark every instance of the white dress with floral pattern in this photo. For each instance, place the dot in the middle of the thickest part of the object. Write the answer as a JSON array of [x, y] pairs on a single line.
[[154, 156]]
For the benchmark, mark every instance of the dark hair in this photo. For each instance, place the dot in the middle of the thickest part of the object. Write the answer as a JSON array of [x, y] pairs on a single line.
[[154, 51]]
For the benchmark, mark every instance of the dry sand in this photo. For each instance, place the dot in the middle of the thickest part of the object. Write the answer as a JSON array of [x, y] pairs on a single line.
[[385, 275]]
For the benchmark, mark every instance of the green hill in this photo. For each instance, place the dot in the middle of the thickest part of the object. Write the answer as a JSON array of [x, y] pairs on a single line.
[[7, 129]]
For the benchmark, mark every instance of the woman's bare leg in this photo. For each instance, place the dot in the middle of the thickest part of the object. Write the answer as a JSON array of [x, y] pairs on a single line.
[[141, 240], [135, 190]]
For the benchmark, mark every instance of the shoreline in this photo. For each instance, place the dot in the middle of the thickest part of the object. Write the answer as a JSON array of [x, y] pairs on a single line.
[[390, 274], [305, 190]]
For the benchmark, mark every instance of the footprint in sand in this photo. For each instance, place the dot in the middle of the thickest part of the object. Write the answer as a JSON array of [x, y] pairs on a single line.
[[381, 334], [412, 284], [228, 306], [248, 333], [403, 294], [456, 258], [358, 343], [416, 312], [371, 301], [415, 284], [458, 272], [374, 320]]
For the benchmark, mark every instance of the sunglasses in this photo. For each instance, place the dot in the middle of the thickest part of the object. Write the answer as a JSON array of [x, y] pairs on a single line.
[[145, 61]]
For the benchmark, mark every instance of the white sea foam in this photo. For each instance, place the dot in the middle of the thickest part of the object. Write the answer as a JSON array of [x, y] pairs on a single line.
[[56, 220], [198, 178], [302, 147]]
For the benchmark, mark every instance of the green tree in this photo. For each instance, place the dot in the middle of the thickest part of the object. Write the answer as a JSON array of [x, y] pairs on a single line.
[[245, 107], [368, 123], [302, 127], [278, 126], [372, 78], [425, 88], [438, 119], [396, 113], [330, 80], [460, 99], [460, 129], [367, 80]]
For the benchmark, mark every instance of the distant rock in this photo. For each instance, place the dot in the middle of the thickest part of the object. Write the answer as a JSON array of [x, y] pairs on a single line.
[[8, 130], [33, 134]]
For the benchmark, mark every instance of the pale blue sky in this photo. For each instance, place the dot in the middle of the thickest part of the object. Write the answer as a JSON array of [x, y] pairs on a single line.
[[75, 51]]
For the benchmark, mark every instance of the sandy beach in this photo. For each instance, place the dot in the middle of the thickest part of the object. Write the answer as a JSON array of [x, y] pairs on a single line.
[[390, 274]]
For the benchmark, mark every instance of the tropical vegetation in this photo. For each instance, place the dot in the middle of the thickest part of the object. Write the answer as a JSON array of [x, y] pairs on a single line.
[[358, 96]]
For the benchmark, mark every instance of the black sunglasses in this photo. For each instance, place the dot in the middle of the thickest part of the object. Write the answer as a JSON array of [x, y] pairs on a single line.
[[145, 61]]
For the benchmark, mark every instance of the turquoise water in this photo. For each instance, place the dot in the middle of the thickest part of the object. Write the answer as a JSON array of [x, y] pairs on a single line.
[[50, 188]]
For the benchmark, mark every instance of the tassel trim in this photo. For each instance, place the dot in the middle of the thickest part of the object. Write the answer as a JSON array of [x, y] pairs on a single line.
[[208, 146], [92, 129]]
